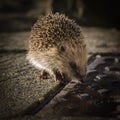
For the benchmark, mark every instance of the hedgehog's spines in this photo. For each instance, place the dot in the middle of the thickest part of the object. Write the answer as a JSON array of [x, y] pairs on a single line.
[[51, 29]]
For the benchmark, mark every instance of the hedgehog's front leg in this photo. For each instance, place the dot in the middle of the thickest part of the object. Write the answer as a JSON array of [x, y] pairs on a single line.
[[57, 75]]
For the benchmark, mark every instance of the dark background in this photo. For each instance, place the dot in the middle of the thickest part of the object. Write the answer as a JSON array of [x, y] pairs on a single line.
[[19, 15]]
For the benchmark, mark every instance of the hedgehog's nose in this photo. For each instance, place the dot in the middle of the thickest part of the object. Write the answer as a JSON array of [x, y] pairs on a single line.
[[79, 76], [76, 71], [82, 79]]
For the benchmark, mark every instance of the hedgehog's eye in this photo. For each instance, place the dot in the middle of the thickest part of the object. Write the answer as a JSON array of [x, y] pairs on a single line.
[[76, 70], [62, 49], [73, 65]]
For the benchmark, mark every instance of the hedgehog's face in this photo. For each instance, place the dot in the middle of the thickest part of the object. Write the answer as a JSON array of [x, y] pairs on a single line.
[[76, 61], [69, 61]]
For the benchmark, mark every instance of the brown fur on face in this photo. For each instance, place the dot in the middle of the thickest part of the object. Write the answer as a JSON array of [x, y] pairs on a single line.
[[56, 45]]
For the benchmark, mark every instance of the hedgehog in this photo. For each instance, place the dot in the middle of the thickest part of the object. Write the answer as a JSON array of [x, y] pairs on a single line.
[[57, 48]]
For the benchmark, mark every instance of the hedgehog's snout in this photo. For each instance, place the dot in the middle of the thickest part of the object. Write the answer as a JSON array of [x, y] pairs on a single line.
[[76, 71]]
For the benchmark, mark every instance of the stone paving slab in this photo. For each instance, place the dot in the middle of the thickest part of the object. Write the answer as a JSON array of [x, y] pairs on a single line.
[[14, 40], [101, 39], [20, 86]]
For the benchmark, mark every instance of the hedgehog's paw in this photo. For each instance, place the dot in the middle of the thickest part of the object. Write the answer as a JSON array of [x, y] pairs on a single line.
[[59, 76], [44, 74]]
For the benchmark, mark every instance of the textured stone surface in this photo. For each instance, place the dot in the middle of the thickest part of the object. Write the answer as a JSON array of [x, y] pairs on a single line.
[[102, 40], [20, 86], [14, 41]]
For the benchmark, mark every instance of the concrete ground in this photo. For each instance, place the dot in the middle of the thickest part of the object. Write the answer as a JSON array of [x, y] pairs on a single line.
[[21, 90]]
